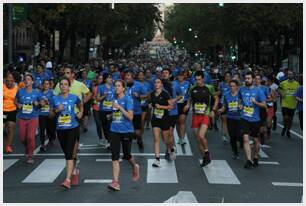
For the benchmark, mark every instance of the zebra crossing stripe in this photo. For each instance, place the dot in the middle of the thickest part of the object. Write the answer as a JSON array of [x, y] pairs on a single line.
[[219, 172], [262, 154], [166, 173], [46, 172], [182, 150], [288, 184], [98, 181], [7, 163]]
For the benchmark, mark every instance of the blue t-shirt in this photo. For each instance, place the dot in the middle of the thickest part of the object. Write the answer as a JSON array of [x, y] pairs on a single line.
[[120, 123], [250, 111], [44, 111], [265, 90], [28, 110], [147, 87], [183, 91], [116, 75], [106, 104], [151, 84], [67, 118], [224, 88], [207, 78], [88, 83], [175, 91], [299, 93], [140, 90], [39, 78], [231, 105]]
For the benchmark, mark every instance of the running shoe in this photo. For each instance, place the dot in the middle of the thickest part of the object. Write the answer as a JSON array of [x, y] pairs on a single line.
[[8, 149], [206, 160], [251, 142], [42, 148], [235, 157], [102, 142], [75, 177], [66, 184], [283, 131], [156, 163], [288, 134], [167, 156], [172, 155], [248, 165], [30, 160], [114, 185], [225, 139], [136, 174], [255, 162], [184, 141], [140, 146], [180, 141], [85, 130]]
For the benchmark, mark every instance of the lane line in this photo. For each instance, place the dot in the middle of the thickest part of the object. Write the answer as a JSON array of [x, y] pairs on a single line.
[[219, 172], [7, 163], [291, 131], [101, 181], [46, 172], [166, 173], [106, 160], [265, 146], [287, 184], [179, 149], [262, 154], [268, 163]]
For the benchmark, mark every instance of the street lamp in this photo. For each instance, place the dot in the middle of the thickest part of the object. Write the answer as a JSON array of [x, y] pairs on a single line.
[[190, 29], [196, 36]]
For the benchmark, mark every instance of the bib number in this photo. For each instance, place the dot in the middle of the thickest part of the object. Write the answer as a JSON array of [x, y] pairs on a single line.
[[159, 113], [64, 120], [248, 111], [107, 104], [117, 116], [200, 108], [233, 106], [27, 108], [180, 99], [45, 108]]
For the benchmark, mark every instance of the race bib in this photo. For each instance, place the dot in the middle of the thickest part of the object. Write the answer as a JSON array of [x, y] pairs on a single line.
[[45, 108], [64, 120], [107, 104], [4, 116], [159, 113], [27, 108], [180, 99], [248, 111], [117, 116], [270, 104], [233, 106], [200, 108]]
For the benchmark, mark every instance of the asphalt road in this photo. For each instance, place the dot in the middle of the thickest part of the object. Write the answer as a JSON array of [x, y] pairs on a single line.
[[278, 179]]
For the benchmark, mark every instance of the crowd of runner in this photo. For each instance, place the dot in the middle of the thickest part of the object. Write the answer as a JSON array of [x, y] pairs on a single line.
[[127, 97]]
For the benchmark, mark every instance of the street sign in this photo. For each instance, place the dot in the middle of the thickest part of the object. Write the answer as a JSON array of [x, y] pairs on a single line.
[[19, 12]]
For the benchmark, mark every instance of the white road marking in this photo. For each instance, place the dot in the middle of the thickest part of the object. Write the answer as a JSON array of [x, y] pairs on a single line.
[[293, 132], [166, 173], [262, 154], [265, 146], [268, 163], [46, 172], [182, 197], [219, 172], [287, 184], [97, 181], [106, 160], [7, 163], [179, 147]]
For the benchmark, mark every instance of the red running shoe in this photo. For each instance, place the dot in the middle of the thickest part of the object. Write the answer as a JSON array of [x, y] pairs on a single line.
[[75, 178], [66, 184]]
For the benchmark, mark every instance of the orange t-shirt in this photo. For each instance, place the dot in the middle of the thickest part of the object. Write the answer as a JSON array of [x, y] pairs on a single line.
[[9, 98]]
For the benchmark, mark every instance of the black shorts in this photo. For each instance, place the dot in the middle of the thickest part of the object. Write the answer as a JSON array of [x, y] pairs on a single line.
[[9, 116], [172, 120], [118, 139], [180, 108], [250, 128], [288, 112], [67, 139], [87, 107], [137, 121], [163, 123], [263, 116], [145, 108]]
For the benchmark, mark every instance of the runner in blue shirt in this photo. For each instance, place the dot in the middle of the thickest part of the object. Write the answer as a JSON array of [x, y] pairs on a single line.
[[40, 76], [67, 127], [182, 100], [121, 133], [251, 100], [137, 92], [230, 106], [46, 124], [27, 113], [105, 96]]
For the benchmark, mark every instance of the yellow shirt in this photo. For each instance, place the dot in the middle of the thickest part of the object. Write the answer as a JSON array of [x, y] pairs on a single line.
[[288, 91]]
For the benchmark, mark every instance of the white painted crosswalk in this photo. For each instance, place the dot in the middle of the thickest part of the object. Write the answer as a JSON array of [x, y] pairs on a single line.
[[164, 174], [7, 163], [46, 172], [185, 149]]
